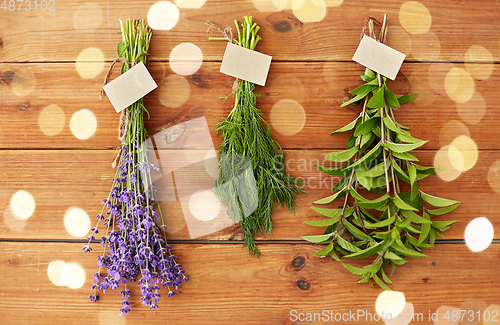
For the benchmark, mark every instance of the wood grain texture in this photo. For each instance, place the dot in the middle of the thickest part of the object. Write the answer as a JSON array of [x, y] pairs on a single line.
[[247, 290], [319, 88], [61, 179], [29, 36], [311, 67]]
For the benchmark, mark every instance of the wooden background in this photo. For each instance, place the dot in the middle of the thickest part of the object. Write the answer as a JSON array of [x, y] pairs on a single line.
[[311, 66]]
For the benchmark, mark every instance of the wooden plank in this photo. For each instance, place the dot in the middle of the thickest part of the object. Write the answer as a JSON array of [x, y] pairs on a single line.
[[61, 179], [60, 35], [286, 281], [317, 89]]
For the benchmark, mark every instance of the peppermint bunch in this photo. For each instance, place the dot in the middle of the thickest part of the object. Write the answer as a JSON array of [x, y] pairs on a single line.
[[133, 245], [398, 223]]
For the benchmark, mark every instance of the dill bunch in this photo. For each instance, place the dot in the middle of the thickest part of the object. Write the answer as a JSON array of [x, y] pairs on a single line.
[[248, 140]]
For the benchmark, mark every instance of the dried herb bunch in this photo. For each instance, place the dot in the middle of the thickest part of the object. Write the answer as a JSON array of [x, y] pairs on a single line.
[[133, 245], [398, 223], [247, 134]]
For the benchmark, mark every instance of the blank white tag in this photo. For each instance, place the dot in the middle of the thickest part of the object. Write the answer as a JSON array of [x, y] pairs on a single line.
[[129, 87], [245, 64], [379, 57]]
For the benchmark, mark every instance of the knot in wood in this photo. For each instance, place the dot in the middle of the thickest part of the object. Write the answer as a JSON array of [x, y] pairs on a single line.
[[298, 261], [303, 284], [282, 26]]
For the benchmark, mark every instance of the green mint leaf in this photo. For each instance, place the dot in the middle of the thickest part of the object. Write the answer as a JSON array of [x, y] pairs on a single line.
[[348, 127], [333, 197], [342, 156], [400, 147], [405, 99], [377, 100], [390, 98], [325, 251], [318, 238], [437, 201]]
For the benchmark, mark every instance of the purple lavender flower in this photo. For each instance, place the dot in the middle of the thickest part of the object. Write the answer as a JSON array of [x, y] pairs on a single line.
[[135, 248]]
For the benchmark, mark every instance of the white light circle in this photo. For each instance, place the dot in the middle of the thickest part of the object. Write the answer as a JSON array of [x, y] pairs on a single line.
[[212, 163], [77, 222], [22, 204], [204, 205], [83, 124], [479, 234], [390, 302], [54, 272], [73, 275], [185, 59], [163, 15]]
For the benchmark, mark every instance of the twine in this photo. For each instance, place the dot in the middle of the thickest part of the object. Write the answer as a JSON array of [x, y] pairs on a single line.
[[124, 116], [378, 23], [228, 34], [367, 22]]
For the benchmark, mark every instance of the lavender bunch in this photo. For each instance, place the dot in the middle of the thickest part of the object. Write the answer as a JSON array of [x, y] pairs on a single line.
[[134, 246]]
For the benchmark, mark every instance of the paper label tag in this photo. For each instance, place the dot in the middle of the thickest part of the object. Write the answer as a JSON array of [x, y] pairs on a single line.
[[379, 57], [245, 64], [129, 87]]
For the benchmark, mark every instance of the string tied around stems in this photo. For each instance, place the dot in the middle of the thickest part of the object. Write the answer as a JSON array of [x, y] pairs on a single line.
[[227, 34], [124, 116]]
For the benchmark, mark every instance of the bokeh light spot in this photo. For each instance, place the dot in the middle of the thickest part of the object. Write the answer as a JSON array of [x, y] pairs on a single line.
[[23, 82], [83, 124], [190, 4], [436, 75], [22, 204], [399, 40], [11, 221], [473, 111], [439, 318], [186, 59], [282, 4], [479, 62], [392, 302], [212, 163], [204, 205], [163, 15], [334, 3], [425, 47], [494, 176], [406, 316], [90, 63], [415, 17], [77, 222], [308, 11], [459, 85], [73, 275], [466, 148], [54, 272], [452, 130], [51, 120], [88, 16], [443, 166], [491, 315], [479, 234], [174, 91], [475, 305], [265, 5], [288, 117]]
